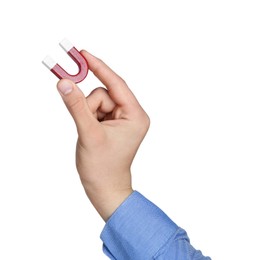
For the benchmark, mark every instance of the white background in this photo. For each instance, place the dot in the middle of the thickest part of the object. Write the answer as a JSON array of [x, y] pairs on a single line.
[[190, 65]]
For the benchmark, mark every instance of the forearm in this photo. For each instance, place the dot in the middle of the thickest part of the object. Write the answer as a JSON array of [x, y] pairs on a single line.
[[140, 230]]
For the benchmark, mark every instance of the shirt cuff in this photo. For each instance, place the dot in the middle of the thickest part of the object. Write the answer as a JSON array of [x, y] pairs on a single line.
[[137, 226]]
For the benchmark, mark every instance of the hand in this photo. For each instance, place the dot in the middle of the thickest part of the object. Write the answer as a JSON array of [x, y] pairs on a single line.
[[111, 125]]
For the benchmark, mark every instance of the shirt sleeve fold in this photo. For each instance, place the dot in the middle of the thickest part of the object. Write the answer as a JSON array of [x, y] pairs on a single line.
[[139, 230]]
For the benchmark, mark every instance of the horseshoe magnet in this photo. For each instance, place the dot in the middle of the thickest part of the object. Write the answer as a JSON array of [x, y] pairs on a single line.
[[76, 56]]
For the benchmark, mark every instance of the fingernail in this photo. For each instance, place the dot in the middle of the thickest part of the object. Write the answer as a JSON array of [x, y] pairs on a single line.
[[65, 87]]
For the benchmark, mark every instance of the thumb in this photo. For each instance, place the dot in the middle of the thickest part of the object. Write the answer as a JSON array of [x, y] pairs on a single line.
[[76, 103]]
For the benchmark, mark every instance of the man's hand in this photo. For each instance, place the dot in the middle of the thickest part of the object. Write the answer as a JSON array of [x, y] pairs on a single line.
[[111, 125]]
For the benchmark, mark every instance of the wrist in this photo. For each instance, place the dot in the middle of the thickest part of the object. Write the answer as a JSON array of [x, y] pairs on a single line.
[[106, 201]]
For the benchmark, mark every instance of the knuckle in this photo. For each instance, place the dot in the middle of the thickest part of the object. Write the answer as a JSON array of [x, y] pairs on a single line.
[[76, 104], [122, 81], [144, 122], [100, 90], [98, 65]]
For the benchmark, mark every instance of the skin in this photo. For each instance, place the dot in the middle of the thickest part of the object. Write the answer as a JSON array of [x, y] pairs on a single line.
[[111, 125]]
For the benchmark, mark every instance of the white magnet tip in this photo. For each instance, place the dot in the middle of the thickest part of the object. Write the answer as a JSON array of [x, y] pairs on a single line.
[[49, 62], [66, 45]]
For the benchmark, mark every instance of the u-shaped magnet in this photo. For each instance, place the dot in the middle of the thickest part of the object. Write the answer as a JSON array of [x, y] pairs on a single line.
[[76, 56]]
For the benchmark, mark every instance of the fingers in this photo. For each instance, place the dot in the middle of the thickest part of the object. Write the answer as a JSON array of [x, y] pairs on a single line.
[[117, 88], [77, 105], [100, 103]]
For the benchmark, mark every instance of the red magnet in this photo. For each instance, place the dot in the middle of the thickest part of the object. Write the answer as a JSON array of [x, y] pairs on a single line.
[[76, 56]]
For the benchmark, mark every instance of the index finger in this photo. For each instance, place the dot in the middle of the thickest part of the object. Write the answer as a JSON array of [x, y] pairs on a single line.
[[116, 86]]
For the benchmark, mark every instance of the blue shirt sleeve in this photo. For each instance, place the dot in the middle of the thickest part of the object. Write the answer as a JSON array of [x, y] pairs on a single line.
[[139, 230]]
